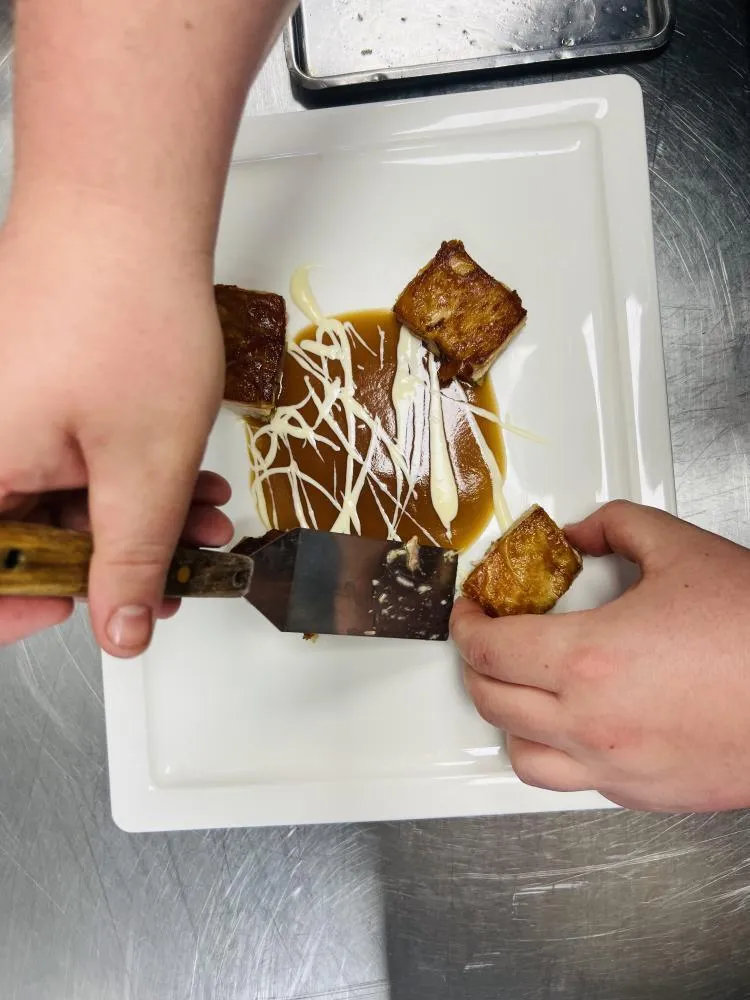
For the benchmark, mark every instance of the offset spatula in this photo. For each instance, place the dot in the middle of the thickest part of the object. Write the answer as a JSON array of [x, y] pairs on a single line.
[[321, 582], [301, 580]]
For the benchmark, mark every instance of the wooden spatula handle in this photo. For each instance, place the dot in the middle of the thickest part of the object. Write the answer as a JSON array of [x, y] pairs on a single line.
[[39, 561]]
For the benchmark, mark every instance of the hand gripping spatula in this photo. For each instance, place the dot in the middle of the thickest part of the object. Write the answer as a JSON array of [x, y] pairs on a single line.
[[300, 580]]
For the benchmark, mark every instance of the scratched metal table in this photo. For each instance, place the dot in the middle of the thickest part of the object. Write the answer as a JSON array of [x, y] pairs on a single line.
[[592, 906]]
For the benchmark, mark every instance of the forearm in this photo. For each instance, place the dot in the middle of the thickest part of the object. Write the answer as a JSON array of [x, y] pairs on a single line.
[[132, 105]]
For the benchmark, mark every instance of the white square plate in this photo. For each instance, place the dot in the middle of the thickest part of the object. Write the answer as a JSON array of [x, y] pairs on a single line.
[[226, 722]]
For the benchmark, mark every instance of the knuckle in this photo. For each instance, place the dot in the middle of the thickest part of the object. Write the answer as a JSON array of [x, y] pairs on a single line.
[[478, 651], [144, 558], [589, 664], [519, 715], [9, 498], [482, 656], [619, 508], [20, 478], [527, 766], [480, 692]]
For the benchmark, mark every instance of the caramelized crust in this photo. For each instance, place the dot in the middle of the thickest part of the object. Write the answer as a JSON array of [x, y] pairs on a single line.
[[527, 571], [464, 315], [249, 545], [254, 328]]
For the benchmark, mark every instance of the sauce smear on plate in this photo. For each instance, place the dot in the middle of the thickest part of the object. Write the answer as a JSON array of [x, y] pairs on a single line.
[[364, 441]]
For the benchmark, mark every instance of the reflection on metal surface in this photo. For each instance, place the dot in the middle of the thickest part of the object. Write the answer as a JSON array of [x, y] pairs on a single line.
[[618, 905], [602, 906], [340, 584], [334, 43]]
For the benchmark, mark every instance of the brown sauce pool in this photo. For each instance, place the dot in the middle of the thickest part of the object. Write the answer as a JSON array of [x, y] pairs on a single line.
[[374, 391]]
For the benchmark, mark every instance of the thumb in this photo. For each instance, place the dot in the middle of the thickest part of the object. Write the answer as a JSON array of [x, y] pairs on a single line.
[[640, 534], [137, 505]]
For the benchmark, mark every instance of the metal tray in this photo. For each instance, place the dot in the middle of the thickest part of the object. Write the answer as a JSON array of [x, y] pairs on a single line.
[[338, 43]]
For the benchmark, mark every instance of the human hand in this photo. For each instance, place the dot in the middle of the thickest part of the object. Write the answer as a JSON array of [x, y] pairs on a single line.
[[205, 525], [111, 369], [646, 699]]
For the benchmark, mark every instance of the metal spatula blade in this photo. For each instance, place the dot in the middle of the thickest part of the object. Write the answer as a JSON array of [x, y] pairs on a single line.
[[319, 582]]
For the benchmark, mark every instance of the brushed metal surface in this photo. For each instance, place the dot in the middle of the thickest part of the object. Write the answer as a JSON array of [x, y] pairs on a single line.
[[598, 906], [337, 43]]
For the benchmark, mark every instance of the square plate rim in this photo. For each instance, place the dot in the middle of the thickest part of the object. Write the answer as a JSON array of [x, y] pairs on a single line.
[[140, 806]]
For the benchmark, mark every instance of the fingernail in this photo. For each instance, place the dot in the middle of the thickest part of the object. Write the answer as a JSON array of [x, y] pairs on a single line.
[[130, 627]]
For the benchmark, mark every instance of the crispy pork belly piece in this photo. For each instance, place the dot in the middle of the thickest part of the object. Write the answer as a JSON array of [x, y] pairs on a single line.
[[254, 328], [464, 315], [527, 571]]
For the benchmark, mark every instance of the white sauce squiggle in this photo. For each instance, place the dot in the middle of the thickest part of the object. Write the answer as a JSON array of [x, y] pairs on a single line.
[[499, 503], [416, 398], [443, 489], [332, 343], [303, 297]]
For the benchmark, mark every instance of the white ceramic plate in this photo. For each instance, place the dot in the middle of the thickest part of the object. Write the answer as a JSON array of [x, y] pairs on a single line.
[[226, 722]]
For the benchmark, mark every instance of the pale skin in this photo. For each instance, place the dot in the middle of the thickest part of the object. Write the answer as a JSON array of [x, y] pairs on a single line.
[[111, 368], [111, 359], [645, 699]]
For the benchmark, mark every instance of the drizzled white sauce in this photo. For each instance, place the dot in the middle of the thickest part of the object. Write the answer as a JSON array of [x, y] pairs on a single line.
[[407, 384], [443, 488], [329, 394], [499, 503], [416, 398], [303, 297], [504, 425], [409, 397]]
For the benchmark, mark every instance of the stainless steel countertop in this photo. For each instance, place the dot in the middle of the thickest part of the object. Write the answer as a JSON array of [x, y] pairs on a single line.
[[596, 906]]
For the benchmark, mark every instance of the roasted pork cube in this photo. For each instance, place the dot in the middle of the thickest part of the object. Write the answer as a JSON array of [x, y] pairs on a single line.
[[527, 571], [464, 315]]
